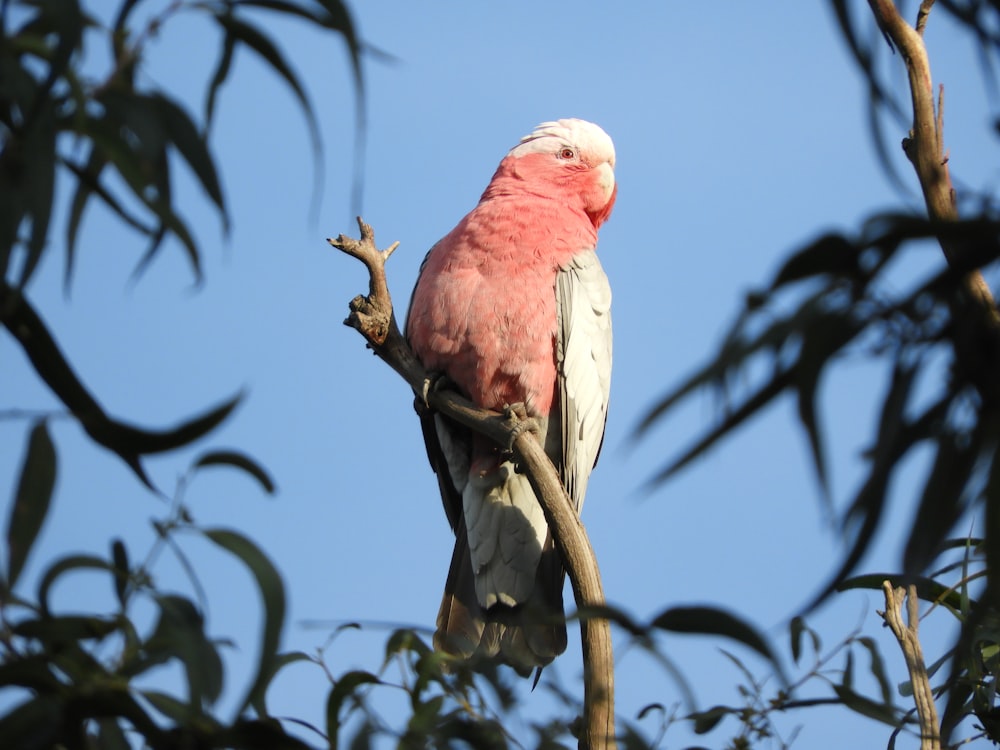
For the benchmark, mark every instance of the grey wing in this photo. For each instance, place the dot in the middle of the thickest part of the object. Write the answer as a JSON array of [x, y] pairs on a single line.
[[583, 359]]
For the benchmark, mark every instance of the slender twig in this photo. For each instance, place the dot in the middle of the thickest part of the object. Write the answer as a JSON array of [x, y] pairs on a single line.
[[372, 316], [909, 641], [925, 10]]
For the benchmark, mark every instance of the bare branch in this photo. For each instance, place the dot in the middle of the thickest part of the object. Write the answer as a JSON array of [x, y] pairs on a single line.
[[372, 316], [925, 10], [909, 641], [925, 149]]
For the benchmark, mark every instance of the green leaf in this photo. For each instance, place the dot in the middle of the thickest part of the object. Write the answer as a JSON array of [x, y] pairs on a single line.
[[895, 436], [362, 739], [130, 443], [272, 592], [260, 43], [942, 500], [65, 565], [124, 439], [425, 718], [714, 621], [238, 461], [122, 574], [184, 135], [57, 631], [826, 334], [283, 660], [134, 140], [878, 669], [705, 721], [613, 614], [177, 711], [831, 254], [796, 628], [39, 187], [34, 723], [219, 77], [87, 183], [180, 633], [847, 681], [866, 706], [110, 736], [928, 589], [31, 501], [259, 734], [33, 672], [345, 687], [405, 640], [755, 403]]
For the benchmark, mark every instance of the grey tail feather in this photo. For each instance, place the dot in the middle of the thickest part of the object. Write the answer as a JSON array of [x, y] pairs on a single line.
[[526, 637]]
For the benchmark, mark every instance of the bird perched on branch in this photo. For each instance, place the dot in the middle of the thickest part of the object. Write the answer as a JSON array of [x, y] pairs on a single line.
[[513, 307]]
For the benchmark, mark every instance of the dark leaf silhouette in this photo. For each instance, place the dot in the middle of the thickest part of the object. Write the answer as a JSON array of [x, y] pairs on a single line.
[[31, 501]]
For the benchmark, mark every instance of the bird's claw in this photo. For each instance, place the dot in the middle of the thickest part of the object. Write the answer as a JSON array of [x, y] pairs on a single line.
[[435, 381], [518, 420]]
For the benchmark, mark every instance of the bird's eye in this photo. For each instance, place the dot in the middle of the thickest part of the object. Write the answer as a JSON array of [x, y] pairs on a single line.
[[567, 153]]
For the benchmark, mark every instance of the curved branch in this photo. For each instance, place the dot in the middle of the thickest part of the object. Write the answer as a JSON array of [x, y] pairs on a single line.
[[373, 317]]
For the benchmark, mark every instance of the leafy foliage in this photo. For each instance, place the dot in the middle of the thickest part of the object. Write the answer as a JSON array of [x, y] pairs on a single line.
[[840, 298], [50, 112], [79, 676], [132, 138]]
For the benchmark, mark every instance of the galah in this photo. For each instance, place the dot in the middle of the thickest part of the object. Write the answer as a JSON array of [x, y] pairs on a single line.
[[513, 307]]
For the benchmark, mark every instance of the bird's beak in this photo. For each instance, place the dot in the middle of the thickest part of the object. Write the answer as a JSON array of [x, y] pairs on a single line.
[[607, 184], [606, 179]]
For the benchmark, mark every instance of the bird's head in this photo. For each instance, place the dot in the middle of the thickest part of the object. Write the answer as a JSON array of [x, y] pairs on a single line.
[[569, 159]]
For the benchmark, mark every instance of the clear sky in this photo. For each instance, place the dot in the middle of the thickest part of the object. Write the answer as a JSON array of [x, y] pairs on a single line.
[[741, 134]]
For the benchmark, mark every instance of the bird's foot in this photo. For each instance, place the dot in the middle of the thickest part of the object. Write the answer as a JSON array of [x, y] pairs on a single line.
[[434, 382], [518, 422]]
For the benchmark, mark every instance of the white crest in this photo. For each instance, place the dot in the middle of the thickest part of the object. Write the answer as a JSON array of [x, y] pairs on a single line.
[[549, 137]]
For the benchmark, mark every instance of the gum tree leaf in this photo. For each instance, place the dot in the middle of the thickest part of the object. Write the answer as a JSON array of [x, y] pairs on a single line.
[[130, 443], [180, 633], [345, 687], [830, 254], [219, 77], [715, 621], [191, 145], [878, 669], [866, 706], [260, 43], [62, 566], [119, 558], [31, 500], [272, 593], [39, 187], [239, 461]]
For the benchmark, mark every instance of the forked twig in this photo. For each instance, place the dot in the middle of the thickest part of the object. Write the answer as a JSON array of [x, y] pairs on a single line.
[[373, 317]]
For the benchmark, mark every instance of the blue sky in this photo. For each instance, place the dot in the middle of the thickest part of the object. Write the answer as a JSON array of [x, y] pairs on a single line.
[[740, 134]]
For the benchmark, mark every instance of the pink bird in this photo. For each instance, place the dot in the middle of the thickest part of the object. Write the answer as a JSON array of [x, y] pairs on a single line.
[[513, 307]]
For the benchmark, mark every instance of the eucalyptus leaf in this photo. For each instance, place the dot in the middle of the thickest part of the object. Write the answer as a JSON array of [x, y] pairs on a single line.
[[240, 461], [344, 688], [31, 500], [272, 593], [714, 621]]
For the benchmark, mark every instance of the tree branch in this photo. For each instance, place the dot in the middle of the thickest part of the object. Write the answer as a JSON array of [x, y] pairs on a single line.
[[925, 148], [373, 317], [909, 642]]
